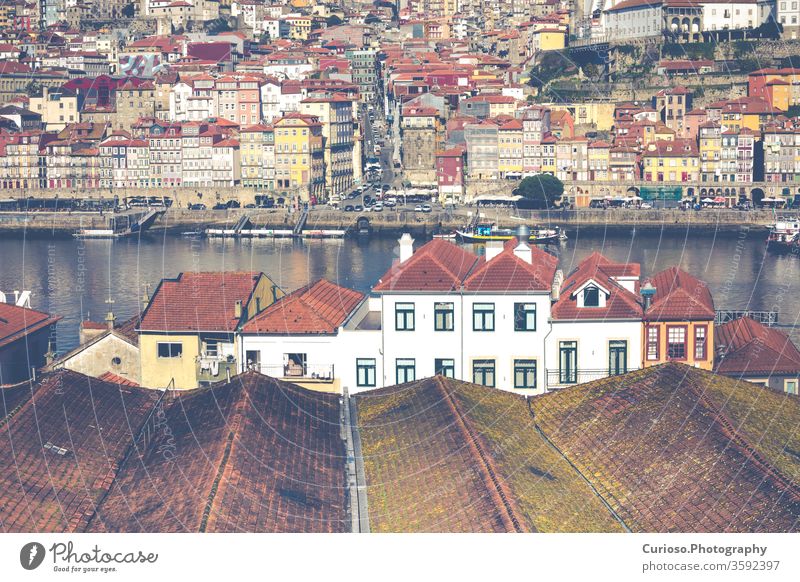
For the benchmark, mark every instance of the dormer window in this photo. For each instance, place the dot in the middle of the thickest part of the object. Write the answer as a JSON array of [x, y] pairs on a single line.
[[591, 297]]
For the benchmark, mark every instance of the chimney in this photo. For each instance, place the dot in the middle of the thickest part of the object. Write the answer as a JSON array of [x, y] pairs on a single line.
[[237, 310], [523, 251], [555, 289], [406, 247], [493, 248], [647, 292]]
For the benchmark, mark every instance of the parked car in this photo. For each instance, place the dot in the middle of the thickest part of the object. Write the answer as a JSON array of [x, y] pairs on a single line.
[[359, 208], [198, 206], [377, 207], [389, 203], [249, 205], [349, 208], [418, 208], [426, 208], [645, 206]]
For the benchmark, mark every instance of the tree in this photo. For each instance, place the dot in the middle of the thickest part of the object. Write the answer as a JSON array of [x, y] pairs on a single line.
[[540, 191], [333, 20]]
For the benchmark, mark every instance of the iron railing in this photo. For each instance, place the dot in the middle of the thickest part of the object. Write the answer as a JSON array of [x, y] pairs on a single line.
[[557, 378], [304, 372]]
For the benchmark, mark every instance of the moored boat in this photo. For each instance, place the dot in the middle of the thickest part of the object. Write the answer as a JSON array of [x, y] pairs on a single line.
[[96, 233], [490, 232], [784, 236]]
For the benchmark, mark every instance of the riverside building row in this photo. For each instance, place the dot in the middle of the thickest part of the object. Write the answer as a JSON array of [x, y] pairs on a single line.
[[509, 319]]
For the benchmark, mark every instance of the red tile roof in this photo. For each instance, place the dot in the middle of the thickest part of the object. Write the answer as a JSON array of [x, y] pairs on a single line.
[[17, 322], [620, 304], [508, 272], [113, 378], [745, 346], [60, 453], [251, 455], [436, 266], [679, 297], [317, 308], [199, 302]]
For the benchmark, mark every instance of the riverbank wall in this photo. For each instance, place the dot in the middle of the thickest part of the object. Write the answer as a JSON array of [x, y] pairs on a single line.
[[390, 222]]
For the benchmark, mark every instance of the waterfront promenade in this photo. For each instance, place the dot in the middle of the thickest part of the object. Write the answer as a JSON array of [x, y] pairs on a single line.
[[177, 220]]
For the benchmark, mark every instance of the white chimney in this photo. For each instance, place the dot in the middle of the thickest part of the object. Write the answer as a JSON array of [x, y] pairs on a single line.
[[523, 251], [493, 248], [406, 247]]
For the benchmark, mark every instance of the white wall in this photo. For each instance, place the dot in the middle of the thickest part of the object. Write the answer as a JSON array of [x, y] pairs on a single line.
[[593, 339]]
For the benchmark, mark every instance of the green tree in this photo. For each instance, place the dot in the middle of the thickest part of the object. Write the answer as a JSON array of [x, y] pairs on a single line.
[[540, 191], [333, 20]]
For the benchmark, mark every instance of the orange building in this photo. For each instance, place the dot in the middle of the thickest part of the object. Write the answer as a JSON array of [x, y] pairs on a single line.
[[678, 320]]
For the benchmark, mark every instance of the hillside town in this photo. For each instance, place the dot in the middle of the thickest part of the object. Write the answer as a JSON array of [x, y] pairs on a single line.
[[576, 313], [308, 101]]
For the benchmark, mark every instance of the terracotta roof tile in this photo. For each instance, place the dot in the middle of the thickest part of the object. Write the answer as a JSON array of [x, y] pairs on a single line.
[[679, 297], [507, 272], [745, 346], [251, 455], [17, 322], [60, 453], [317, 308], [438, 265], [199, 302]]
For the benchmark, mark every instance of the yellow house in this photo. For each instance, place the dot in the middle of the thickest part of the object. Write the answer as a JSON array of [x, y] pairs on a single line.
[[710, 139], [671, 161], [678, 320], [299, 154], [57, 107], [252, 151], [548, 39], [188, 331], [599, 114], [509, 147], [299, 27]]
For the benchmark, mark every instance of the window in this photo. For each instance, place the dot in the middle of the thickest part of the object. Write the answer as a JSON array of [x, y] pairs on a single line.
[[443, 316], [652, 343], [483, 372], [253, 359], [445, 367], [591, 297], [365, 372], [617, 357], [790, 386], [483, 317], [212, 348], [404, 316], [568, 362], [524, 317], [169, 350], [676, 343], [700, 342], [405, 368], [524, 373]]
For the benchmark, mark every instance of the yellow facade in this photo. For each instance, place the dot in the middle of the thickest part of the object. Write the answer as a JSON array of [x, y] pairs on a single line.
[[549, 40], [509, 150], [56, 108], [710, 151], [781, 96], [299, 28], [181, 372], [299, 154], [656, 333], [598, 114]]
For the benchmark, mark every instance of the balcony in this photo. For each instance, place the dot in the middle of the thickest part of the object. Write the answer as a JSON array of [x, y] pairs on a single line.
[[313, 373], [562, 379], [215, 369]]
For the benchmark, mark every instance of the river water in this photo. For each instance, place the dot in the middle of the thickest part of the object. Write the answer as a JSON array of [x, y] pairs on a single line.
[[74, 278]]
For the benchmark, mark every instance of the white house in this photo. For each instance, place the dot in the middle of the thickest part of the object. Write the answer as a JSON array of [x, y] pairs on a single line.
[[312, 337], [596, 323], [482, 319]]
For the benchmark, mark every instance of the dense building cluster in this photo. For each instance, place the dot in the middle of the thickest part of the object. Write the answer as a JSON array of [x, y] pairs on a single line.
[[279, 96]]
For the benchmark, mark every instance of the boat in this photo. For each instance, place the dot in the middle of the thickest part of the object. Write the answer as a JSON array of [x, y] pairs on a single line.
[[96, 233], [489, 232], [784, 236], [445, 235]]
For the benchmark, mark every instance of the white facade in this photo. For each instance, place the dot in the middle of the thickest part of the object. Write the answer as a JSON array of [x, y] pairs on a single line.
[[736, 15], [641, 21]]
